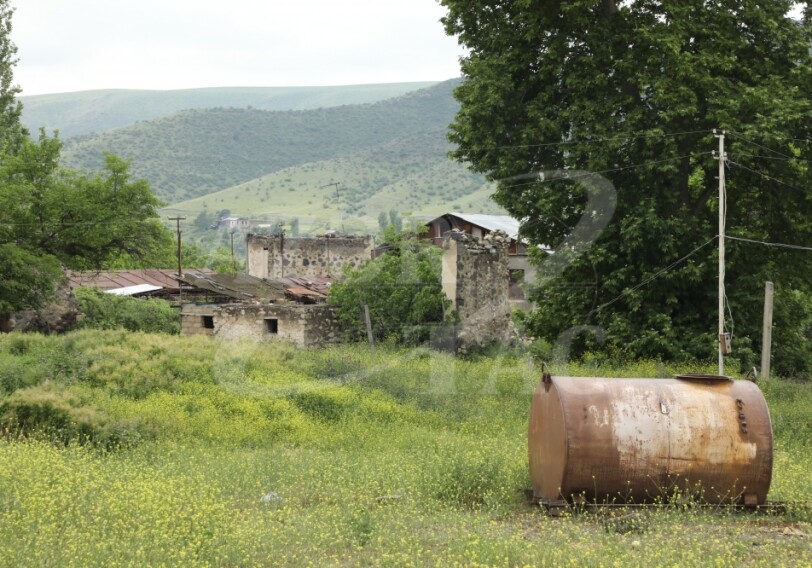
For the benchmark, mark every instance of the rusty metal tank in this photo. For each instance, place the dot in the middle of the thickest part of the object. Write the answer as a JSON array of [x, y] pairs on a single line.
[[646, 440]]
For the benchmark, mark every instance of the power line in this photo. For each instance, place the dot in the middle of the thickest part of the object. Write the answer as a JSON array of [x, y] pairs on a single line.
[[589, 141], [743, 139], [768, 244], [765, 176], [52, 224], [774, 158], [653, 277], [618, 169], [807, 140]]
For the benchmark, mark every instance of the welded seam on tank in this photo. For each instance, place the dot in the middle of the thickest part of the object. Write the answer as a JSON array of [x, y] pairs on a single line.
[[566, 434]]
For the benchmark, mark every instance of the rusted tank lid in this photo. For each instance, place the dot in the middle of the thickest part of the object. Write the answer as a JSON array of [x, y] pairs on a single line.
[[702, 377]]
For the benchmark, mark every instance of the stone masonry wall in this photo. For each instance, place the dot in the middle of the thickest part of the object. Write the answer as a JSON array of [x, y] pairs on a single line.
[[192, 319], [304, 325], [269, 257], [475, 279]]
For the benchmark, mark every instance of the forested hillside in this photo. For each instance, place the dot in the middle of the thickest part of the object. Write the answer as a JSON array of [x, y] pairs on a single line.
[[85, 112], [410, 174], [196, 152]]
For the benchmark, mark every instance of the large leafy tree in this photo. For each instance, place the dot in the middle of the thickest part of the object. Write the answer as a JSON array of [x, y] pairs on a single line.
[[52, 217], [11, 130], [633, 90]]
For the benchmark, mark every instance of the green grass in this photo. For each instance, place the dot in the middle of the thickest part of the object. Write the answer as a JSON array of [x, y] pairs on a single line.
[[272, 456]]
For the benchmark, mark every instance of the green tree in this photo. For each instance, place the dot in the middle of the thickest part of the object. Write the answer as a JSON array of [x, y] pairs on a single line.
[[204, 221], [27, 279], [12, 132], [383, 220], [50, 216], [402, 288], [107, 311], [395, 220], [633, 90], [84, 220]]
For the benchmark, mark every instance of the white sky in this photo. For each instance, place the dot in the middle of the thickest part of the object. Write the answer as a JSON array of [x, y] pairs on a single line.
[[73, 45]]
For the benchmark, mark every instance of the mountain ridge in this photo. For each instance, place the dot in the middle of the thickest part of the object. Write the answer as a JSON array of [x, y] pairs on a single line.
[[85, 112], [195, 152]]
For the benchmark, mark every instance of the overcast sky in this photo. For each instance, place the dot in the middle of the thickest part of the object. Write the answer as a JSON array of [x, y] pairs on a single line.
[[74, 45]]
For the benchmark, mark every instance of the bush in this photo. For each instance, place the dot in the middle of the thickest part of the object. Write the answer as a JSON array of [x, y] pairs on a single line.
[[61, 417], [106, 311], [402, 289]]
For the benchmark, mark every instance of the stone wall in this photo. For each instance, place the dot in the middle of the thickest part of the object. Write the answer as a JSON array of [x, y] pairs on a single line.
[[304, 325], [197, 319], [475, 278], [272, 256]]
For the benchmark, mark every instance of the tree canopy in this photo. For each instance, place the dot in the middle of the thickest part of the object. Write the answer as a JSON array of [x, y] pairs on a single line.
[[632, 91], [12, 131], [52, 217]]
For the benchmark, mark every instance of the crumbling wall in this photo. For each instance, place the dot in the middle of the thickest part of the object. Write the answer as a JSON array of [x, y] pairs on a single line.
[[304, 325], [278, 256], [476, 278], [197, 319]]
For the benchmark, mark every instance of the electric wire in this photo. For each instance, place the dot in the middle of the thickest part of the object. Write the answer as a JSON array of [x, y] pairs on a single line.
[[769, 244], [652, 277], [588, 141], [763, 147], [611, 170], [774, 158], [765, 176]]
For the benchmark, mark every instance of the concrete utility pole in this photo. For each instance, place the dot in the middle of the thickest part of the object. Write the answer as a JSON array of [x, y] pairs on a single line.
[[180, 264], [767, 330], [723, 350]]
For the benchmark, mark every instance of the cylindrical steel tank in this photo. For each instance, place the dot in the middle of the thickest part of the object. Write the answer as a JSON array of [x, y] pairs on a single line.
[[644, 440]]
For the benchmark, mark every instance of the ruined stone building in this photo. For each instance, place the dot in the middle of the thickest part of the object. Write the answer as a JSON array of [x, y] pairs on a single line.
[[474, 275], [520, 271], [287, 309], [279, 256]]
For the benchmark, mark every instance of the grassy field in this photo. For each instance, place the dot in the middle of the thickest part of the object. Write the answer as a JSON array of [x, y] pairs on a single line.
[[210, 454]]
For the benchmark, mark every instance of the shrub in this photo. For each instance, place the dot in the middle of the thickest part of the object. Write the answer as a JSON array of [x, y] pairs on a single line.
[[61, 417], [402, 289], [106, 311]]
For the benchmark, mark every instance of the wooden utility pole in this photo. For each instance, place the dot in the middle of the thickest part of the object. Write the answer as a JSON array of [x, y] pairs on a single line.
[[767, 330], [233, 262], [180, 264], [368, 323], [282, 249]]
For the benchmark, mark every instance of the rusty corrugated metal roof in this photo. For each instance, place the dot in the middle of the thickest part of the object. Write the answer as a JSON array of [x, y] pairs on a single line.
[[112, 279], [319, 285], [238, 286]]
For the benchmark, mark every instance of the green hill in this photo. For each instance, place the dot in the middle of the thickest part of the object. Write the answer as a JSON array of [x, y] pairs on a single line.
[[85, 112], [411, 175], [197, 152]]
